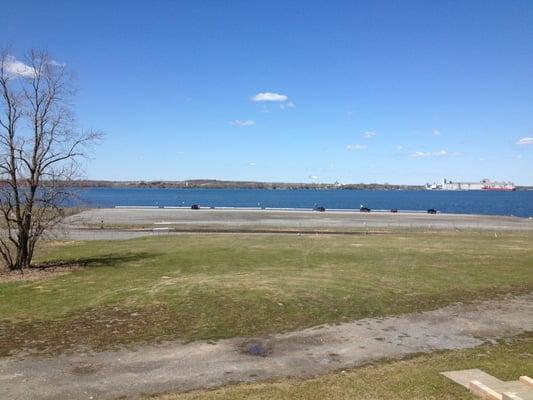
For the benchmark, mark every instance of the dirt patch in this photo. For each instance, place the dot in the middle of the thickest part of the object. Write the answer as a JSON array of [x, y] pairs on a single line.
[[39, 272], [256, 348], [85, 369]]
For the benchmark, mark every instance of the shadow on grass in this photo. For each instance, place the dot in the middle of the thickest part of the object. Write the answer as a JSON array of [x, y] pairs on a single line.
[[105, 260]]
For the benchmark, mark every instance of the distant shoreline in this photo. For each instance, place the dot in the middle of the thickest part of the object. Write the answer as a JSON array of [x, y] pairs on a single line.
[[222, 184]]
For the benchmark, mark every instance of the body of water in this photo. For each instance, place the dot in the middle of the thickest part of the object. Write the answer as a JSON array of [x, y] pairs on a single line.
[[519, 203]]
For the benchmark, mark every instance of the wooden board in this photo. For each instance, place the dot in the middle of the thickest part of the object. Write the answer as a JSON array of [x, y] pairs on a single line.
[[465, 376]]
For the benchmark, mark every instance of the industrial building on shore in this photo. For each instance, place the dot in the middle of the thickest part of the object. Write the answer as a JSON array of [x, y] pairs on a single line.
[[485, 184]]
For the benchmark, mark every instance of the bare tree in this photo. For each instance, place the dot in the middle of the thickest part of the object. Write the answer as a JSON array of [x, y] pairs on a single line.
[[40, 151]]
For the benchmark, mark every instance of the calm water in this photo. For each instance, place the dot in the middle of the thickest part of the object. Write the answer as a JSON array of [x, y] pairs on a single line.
[[497, 203]]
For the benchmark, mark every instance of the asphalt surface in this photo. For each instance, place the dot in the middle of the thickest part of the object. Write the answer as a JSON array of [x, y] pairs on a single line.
[[126, 223]]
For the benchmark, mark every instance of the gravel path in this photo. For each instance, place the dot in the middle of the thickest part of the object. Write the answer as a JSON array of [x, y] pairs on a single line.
[[176, 366]]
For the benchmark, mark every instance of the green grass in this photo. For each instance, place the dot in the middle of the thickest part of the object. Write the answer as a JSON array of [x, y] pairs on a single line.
[[217, 286], [412, 379]]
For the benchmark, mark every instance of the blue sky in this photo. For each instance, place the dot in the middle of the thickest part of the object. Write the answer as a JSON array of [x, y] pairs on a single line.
[[399, 91]]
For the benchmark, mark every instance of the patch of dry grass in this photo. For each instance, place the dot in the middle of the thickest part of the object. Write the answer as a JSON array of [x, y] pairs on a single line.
[[35, 274]]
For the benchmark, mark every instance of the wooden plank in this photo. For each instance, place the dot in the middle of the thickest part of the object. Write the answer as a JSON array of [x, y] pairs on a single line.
[[465, 376], [511, 396], [511, 386], [523, 394], [483, 391], [527, 380]]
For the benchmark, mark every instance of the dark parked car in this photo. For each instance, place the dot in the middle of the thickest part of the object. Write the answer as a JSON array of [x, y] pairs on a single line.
[[195, 207], [432, 211], [319, 208], [393, 210], [364, 209]]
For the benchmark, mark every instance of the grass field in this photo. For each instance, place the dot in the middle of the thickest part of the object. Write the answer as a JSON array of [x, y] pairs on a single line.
[[218, 286], [412, 379]]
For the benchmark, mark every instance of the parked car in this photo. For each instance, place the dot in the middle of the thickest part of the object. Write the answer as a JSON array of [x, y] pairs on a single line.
[[195, 207], [319, 208], [364, 209], [393, 210], [432, 211]]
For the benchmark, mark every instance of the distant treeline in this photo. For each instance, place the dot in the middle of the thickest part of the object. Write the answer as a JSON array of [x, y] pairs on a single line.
[[218, 184]]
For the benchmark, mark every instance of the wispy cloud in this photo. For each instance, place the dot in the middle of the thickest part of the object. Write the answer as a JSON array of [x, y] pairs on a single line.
[[288, 104], [526, 140], [441, 153], [242, 122], [356, 147], [400, 147], [436, 132], [252, 164], [57, 64], [17, 68], [14, 67], [369, 134], [269, 96]]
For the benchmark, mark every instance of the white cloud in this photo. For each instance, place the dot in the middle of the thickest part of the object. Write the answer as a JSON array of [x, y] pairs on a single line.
[[369, 134], [14, 67], [399, 147], [356, 147], [241, 122], [441, 153], [268, 96], [430, 154], [252, 164], [436, 132], [526, 140], [17, 68]]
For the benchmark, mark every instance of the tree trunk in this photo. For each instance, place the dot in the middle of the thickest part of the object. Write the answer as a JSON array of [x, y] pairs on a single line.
[[23, 258]]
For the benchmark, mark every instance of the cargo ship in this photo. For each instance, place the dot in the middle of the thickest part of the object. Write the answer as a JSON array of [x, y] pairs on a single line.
[[485, 184]]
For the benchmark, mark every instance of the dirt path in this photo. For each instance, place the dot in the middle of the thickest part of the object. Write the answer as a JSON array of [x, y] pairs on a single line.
[[179, 367]]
